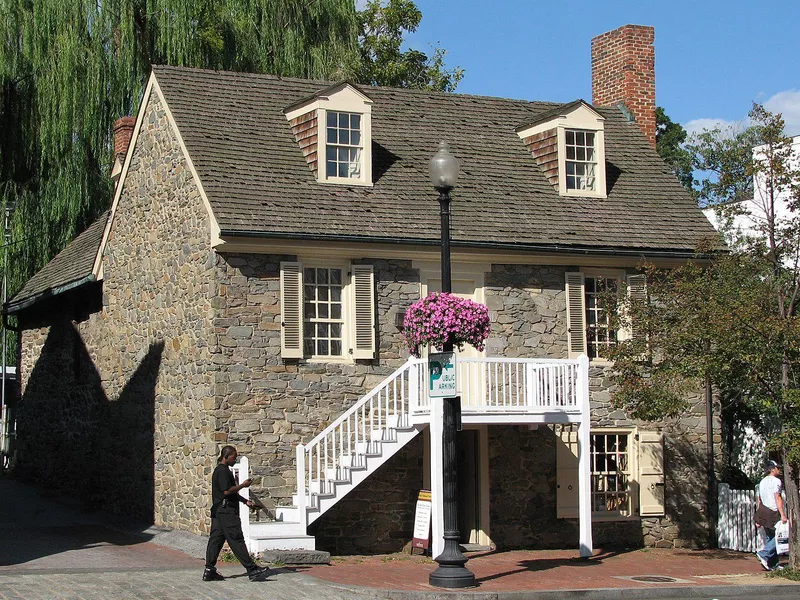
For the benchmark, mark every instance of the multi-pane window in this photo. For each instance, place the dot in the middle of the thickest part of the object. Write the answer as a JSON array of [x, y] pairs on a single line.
[[611, 470], [600, 336], [323, 319], [581, 161], [343, 145]]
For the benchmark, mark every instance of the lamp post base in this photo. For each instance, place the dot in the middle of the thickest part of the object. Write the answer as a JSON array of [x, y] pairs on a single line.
[[452, 577], [451, 572]]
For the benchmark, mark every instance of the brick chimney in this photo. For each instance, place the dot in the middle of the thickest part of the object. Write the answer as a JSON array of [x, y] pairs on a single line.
[[123, 131], [623, 70]]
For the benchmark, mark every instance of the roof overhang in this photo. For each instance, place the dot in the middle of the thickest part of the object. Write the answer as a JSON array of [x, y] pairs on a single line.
[[11, 308]]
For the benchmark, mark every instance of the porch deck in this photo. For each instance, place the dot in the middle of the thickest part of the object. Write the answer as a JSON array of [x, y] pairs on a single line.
[[508, 391]]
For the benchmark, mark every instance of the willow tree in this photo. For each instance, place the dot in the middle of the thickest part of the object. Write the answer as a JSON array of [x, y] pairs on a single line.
[[69, 68]]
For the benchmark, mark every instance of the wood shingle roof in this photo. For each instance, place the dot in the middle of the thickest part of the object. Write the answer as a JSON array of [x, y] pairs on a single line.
[[258, 182]]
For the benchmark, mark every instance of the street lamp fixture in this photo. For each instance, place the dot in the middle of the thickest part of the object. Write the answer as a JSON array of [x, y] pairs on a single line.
[[451, 572]]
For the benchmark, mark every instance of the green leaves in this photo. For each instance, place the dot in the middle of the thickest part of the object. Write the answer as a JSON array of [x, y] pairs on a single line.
[[382, 62], [670, 138], [70, 68], [724, 156], [730, 317]]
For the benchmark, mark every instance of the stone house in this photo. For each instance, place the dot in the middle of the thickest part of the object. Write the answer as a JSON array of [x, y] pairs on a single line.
[[248, 283]]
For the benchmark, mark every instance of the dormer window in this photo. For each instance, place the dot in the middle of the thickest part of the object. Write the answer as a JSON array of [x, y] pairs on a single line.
[[334, 131], [580, 160], [343, 151], [568, 144]]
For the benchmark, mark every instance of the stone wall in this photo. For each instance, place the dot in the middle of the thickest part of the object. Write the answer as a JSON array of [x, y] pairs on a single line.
[[528, 312], [126, 396], [268, 405]]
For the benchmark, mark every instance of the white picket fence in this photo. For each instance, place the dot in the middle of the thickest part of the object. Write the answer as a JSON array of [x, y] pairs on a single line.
[[736, 529]]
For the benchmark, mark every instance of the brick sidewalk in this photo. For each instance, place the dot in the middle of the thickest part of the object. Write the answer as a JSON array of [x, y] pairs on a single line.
[[555, 570]]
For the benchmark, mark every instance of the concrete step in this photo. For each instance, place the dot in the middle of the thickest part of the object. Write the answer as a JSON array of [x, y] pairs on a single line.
[[287, 513], [296, 557], [276, 528], [290, 513], [296, 542]]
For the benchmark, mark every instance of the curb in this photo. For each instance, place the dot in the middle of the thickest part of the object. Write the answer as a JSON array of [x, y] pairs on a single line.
[[778, 591]]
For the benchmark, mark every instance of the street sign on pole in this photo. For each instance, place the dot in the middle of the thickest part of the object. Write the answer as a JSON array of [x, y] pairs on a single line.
[[442, 375]]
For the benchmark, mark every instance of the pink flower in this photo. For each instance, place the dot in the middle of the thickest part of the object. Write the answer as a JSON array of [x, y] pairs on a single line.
[[439, 318]]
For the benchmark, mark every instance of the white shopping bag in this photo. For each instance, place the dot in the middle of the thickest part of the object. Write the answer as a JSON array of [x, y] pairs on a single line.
[[782, 537]]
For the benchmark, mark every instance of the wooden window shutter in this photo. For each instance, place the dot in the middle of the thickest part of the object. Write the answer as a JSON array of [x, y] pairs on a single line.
[[637, 292], [651, 474], [291, 310], [576, 314], [566, 471], [364, 311]]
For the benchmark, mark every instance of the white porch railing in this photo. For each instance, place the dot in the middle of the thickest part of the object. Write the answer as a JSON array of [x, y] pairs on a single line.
[[488, 386], [512, 385]]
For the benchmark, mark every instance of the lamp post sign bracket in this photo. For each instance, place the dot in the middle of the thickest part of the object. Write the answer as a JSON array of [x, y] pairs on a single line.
[[442, 374]]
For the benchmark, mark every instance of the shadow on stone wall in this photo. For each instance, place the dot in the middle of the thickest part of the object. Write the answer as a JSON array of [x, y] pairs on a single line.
[[686, 485], [73, 439]]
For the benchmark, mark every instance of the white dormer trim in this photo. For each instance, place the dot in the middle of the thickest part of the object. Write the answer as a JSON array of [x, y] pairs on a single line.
[[577, 116], [342, 97]]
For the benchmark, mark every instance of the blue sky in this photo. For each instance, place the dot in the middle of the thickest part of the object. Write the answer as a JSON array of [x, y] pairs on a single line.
[[713, 59]]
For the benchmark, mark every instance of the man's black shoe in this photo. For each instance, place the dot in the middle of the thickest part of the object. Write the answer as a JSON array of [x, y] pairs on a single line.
[[212, 575], [257, 573]]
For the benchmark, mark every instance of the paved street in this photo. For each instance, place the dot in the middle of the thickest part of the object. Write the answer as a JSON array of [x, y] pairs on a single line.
[[52, 550], [183, 584]]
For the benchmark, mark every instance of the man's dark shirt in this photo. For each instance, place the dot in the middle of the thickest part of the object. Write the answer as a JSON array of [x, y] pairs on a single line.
[[221, 480]]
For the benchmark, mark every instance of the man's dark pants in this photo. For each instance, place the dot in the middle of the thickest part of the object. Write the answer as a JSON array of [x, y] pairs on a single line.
[[227, 526]]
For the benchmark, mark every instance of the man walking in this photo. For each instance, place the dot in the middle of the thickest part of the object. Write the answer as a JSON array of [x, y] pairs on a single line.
[[770, 509], [225, 522]]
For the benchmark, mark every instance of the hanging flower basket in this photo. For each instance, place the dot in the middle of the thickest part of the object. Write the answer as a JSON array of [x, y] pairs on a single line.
[[440, 318]]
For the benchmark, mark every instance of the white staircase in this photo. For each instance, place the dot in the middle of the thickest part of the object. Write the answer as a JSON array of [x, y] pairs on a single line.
[[347, 452], [493, 390]]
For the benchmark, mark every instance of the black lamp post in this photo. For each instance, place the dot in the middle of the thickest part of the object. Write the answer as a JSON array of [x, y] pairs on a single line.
[[451, 572]]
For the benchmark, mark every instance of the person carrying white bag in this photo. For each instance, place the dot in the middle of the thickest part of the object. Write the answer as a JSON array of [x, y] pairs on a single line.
[[770, 508]]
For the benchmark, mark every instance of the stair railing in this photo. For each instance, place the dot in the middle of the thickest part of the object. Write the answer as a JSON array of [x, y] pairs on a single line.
[[342, 443]]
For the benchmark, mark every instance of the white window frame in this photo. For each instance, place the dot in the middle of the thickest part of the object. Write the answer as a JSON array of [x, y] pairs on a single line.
[[365, 156], [577, 335], [577, 323], [346, 285], [580, 117], [358, 328], [359, 148], [599, 190], [590, 167], [646, 491], [618, 333], [339, 98], [632, 508]]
